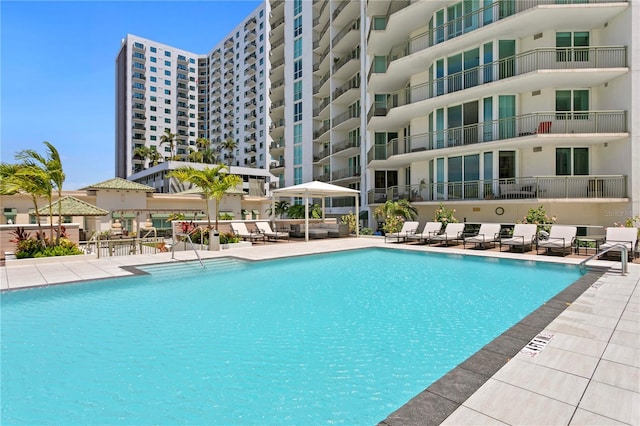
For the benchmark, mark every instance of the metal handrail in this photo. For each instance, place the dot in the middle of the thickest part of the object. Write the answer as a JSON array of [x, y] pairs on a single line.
[[192, 247], [624, 253]]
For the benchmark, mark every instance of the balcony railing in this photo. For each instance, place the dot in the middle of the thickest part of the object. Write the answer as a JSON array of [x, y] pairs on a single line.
[[538, 123], [521, 188], [351, 84], [349, 172], [320, 107], [322, 154], [339, 9], [341, 118], [394, 6], [473, 21], [526, 62], [323, 129], [341, 146], [353, 26]]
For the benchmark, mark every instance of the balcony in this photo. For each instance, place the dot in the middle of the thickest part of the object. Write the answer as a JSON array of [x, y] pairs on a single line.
[[600, 126], [321, 107], [322, 130], [352, 28], [346, 147], [591, 188], [277, 64], [324, 153], [277, 84], [251, 59], [276, 166], [354, 83], [345, 116], [349, 172], [276, 105], [250, 48], [612, 62]]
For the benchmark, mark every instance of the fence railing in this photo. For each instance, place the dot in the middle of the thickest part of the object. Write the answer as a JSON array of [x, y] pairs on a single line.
[[522, 63], [521, 188], [123, 246], [538, 123]]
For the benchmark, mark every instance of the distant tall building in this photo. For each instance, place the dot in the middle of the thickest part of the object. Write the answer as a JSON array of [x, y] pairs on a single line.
[[219, 96]]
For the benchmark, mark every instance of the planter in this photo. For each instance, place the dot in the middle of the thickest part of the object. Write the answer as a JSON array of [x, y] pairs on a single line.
[[52, 259], [214, 240]]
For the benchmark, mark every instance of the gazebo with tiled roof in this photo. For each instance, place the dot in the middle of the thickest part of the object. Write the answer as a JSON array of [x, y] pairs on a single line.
[[119, 184]]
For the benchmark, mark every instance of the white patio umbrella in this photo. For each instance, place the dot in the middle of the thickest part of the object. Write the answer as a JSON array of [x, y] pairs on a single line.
[[312, 190]]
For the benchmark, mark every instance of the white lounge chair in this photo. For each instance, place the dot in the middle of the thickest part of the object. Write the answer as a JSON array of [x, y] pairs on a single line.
[[408, 228], [561, 238], [615, 237], [430, 229], [488, 233], [240, 229], [265, 229], [524, 235], [453, 232]]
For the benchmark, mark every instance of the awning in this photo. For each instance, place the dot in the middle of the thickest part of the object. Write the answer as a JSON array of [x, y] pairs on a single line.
[[255, 211], [116, 215], [226, 214]]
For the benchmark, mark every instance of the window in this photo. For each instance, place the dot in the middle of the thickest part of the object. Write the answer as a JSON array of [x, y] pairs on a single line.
[[138, 65], [572, 101], [167, 101], [152, 59], [297, 91], [297, 47], [153, 49], [379, 64], [167, 54], [153, 118], [167, 120], [297, 69], [167, 91], [297, 7], [153, 98], [167, 111], [297, 175], [297, 112], [152, 79], [297, 155], [297, 134], [568, 44], [153, 108], [572, 161], [153, 69], [153, 137], [153, 128], [297, 26], [192, 61], [167, 73], [153, 88], [167, 82]]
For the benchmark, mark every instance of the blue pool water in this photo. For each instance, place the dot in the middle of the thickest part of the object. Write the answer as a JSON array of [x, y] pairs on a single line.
[[335, 338]]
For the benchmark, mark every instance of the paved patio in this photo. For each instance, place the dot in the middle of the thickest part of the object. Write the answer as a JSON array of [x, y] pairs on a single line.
[[588, 373]]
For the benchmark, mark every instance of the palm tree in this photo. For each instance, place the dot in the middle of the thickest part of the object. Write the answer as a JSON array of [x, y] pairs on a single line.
[[210, 156], [280, 208], [143, 153], [52, 166], [400, 208], [195, 156], [24, 179], [214, 183], [169, 139], [154, 156], [230, 146]]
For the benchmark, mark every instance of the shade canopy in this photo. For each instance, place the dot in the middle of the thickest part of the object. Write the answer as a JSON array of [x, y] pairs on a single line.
[[312, 190], [71, 206], [315, 189]]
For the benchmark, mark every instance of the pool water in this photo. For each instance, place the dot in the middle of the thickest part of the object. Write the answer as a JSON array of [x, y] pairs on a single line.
[[347, 337]]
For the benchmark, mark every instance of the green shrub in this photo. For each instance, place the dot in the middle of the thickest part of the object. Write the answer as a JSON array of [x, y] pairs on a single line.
[[444, 215], [539, 217], [32, 248], [228, 238], [366, 231], [350, 219]]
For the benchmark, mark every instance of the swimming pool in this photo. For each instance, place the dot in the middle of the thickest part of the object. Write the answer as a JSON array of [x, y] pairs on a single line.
[[346, 337]]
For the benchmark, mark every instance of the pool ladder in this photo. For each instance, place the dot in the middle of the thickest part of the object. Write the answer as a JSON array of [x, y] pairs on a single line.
[[624, 254], [192, 247]]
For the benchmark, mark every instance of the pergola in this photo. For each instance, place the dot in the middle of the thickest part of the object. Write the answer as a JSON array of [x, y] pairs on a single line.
[[312, 190]]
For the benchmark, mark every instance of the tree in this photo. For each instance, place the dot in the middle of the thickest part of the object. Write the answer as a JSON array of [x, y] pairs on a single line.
[[230, 146], [395, 213], [154, 156], [214, 183], [280, 208], [51, 165], [143, 153], [26, 180], [169, 139]]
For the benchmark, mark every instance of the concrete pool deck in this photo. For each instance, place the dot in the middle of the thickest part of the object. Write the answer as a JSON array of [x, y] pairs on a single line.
[[588, 373]]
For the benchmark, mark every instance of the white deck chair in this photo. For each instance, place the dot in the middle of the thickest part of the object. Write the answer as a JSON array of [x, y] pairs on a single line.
[[524, 235], [265, 229], [430, 229], [624, 236], [240, 229], [488, 233], [560, 238], [408, 228], [453, 232]]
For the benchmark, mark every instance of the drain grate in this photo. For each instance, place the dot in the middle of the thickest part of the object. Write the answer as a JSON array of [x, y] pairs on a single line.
[[537, 344]]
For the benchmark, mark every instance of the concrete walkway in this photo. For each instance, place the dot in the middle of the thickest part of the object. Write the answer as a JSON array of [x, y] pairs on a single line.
[[588, 373]]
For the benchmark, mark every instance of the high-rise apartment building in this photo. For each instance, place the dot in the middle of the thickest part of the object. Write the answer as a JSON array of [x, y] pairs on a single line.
[[317, 93], [220, 97], [495, 107], [491, 107]]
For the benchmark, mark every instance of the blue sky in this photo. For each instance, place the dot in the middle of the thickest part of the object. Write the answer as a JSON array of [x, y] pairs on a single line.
[[58, 70]]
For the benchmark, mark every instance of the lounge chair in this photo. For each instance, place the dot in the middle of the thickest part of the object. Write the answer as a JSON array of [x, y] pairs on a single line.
[[620, 236], [265, 229], [240, 229], [453, 232], [524, 235], [561, 238], [408, 228], [430, 229], [488, 233]]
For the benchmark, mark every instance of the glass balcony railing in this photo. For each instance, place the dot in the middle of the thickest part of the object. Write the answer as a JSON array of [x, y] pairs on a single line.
[[538, 123], [518, 188]]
